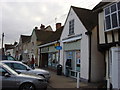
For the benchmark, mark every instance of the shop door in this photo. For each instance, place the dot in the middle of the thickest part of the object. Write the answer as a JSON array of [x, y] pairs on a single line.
[[70, 55], [44, 60]]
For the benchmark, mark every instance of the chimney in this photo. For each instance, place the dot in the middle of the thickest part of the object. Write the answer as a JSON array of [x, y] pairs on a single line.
[[36, 28], [42, 26], [58, 25]]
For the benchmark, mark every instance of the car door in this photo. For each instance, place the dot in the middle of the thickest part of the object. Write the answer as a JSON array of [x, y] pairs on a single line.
[[7, 81]]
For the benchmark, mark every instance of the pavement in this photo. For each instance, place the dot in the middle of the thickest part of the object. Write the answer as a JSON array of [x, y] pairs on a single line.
[[61, 81]]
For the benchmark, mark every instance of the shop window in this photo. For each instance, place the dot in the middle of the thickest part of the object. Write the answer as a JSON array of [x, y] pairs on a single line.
[[78, 61], [49, 60], [53, 60]]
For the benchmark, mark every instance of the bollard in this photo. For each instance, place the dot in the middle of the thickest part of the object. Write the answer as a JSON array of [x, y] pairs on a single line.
[[78, 81], [108, 83]]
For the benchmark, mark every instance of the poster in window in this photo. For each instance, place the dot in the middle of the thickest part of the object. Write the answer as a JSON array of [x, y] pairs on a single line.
[[77, 60]]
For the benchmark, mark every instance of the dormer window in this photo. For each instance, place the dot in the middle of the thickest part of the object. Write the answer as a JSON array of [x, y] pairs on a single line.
[[112, 17], [71, 27]]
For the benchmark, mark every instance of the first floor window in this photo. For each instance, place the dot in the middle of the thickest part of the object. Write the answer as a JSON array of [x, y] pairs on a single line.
[[112, 16], [71, 27]]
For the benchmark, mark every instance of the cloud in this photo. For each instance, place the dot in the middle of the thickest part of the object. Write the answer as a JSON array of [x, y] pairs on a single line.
[[21, 16]]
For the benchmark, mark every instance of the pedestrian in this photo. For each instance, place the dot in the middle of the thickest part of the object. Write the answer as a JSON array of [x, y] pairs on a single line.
[[16, 55], [32, 62], [21, 58]]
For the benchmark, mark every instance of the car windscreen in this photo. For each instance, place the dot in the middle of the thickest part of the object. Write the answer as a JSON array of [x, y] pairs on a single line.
[[11, 70]]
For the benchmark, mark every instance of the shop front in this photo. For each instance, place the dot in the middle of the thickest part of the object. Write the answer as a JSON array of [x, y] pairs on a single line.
[[72, 58], [49, 57]]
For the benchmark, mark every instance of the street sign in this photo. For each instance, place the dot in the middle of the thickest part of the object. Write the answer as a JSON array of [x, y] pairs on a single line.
[[58, 47]]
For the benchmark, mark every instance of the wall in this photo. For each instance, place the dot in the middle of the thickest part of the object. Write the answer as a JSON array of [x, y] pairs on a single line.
[[97, 60], [34, 49], [101, 28]]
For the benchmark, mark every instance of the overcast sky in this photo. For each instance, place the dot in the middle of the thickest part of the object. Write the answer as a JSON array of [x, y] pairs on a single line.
[[21, 16]]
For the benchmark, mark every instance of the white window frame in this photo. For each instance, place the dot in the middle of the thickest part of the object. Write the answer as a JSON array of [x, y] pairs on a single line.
[[110, 14]]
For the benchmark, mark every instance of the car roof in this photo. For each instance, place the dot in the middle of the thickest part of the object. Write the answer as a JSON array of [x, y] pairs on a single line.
[[11, 61]]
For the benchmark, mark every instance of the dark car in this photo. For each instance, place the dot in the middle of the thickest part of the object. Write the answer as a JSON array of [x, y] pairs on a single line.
[[14, 81], [7, 57]]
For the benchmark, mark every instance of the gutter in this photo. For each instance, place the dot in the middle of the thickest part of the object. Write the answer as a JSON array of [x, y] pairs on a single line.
[[89, 33]]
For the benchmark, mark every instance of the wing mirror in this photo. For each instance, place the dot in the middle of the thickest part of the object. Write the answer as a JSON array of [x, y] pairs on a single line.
[[27, 69], [7, 75]]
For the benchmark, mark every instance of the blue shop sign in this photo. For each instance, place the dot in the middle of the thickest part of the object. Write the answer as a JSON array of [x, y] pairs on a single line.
[[58, 47]]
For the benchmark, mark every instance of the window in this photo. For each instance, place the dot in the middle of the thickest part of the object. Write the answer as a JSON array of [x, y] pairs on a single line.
[[10, 65], [112, 17], [10, 58], [71, 27], [19, 66], [2, 71]]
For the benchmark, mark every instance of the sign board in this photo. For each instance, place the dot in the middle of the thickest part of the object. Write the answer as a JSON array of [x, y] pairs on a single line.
[[57, 44], [58, 47]]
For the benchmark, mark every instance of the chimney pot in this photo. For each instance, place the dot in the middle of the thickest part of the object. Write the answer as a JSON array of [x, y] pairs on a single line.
[[42, 26], [36, 27], [58, 25]]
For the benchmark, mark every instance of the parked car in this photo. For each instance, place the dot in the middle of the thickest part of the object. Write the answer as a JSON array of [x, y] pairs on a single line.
[[7, 57], [14, 81], [23, 68]]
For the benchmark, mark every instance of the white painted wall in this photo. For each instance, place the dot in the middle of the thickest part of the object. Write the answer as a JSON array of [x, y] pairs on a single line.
[[78, 29], [10, 51], [115, 79], [101, 28], [34, 47]]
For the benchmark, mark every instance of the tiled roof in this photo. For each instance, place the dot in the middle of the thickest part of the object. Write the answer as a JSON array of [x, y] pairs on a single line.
[[87, 17], [25, 38], [55, 36], [99, 5], [42, 35], [9, 46]]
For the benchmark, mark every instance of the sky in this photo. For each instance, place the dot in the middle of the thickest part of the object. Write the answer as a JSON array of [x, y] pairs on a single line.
[[19, 17]]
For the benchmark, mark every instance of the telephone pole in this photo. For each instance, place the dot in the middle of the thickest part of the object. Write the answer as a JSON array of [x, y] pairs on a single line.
[[2, 43]]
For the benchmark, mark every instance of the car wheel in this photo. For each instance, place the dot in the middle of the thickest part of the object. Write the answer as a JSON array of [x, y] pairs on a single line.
[[27, 86]]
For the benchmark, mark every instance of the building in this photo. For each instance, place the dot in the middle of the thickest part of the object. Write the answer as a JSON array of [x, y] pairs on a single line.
[[79, 46], [109, 40], [9, 49], [23, 47], [38, 36], [49, 55]]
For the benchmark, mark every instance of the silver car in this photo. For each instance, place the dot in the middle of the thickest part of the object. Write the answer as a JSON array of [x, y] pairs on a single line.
[[12, 80], [23, 68]]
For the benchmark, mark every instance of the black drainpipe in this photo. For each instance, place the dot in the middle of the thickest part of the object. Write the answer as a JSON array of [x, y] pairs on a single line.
[[89, 33], [39, 57]]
